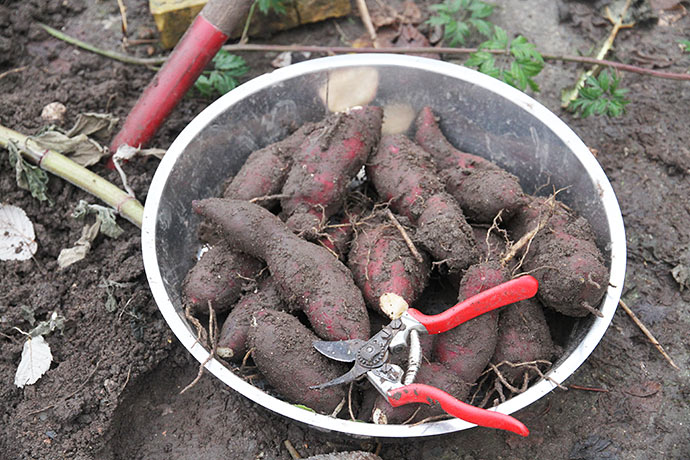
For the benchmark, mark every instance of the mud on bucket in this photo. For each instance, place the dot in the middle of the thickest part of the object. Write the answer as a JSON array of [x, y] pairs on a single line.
[[478, 114]]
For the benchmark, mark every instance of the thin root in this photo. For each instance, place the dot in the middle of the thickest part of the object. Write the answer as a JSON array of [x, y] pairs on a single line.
[[414, 414], [418, 257], [212, 332]]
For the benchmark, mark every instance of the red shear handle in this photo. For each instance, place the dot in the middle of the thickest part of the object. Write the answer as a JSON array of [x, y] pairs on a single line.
[[512, 291], [420, 393]]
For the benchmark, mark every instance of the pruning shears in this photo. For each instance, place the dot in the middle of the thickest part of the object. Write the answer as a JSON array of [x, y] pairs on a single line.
[[371, 357]]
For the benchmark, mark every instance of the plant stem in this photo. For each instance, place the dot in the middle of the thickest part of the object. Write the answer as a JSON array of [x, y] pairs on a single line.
[[245, 32], [571, 94], [346, 49], [111, 54], [61, 166]]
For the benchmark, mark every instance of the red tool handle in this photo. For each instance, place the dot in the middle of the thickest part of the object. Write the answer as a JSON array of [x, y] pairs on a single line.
[[420, 393], [512, 291], [178, 74]]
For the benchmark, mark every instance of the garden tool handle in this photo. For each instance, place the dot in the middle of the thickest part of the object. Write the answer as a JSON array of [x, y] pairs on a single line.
[[210, 29], [512, 291], [420, 393]]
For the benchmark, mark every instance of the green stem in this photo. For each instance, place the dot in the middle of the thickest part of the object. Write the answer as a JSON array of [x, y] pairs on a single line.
[[110, 54], [53, 162], [245, 32]]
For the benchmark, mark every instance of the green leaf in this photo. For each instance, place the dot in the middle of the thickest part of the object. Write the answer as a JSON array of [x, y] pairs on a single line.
[[685, 44], [460, 17], [227, 67], [601, 96], [223, 60], [482, 26], [203, 85], [481, 10], [307, 408], [272, 5]]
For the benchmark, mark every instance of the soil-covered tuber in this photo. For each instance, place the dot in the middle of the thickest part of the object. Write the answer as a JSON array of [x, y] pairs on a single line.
[[306, 274], [217, 277], [284, 354]]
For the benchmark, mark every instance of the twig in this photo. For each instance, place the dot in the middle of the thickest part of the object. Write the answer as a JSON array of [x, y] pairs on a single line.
[[269, 197], [129, 373], [293, 452], [123, 15], [11, 71], [647, 333], [250, 47], [366, 19], [578, 387], [418, 257]]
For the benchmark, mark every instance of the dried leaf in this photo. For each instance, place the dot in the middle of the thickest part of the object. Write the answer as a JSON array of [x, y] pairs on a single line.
[[79, 148], [106, 216], [81, 248], [56, 321], [36, 359], [93, 124], [17, 237], [127, 152]]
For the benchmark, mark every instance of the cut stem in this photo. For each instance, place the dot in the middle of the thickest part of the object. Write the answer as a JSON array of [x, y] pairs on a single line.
[[61, 166]]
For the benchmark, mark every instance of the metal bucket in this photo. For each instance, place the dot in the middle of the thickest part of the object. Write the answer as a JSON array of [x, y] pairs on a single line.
[[479, 114]]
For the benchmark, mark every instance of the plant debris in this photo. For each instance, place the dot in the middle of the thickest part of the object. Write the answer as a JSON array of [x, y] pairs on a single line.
[[17, 236]]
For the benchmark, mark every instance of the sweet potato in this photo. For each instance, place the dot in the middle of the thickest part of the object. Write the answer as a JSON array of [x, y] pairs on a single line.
[[483, 193], [265, 170], [563, 256], [404, 175], [324, 165], [434, 374], [558, 218], [337, 236], [480, 186], [232, 340], [381, 262], [218, 277], [491, 245], [523, 336], [284, 354], [306, 274], [443, 231], [468, 348], [571, 272], [431, 139]]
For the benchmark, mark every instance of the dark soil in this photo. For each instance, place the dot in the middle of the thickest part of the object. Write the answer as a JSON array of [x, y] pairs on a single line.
[[113, 389]]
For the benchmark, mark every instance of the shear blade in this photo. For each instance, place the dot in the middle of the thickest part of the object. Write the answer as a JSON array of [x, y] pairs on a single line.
[[353, 374], [343, 350]]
